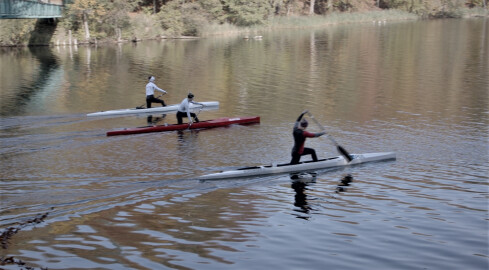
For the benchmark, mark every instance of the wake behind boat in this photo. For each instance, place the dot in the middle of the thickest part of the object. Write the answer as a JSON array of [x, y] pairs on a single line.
[[301, 167], [220, 122], [208, 105]]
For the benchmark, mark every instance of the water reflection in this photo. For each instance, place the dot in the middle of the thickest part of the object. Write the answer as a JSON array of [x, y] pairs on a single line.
[[344, 182], [187, 145], [48, 75], [155, 120], [300, 182], [301, 199]]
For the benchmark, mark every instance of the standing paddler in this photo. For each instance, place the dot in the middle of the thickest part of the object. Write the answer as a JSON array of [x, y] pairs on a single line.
[[150, 92], [300, 135]]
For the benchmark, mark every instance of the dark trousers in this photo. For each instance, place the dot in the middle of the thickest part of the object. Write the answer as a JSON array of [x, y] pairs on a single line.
[[180, 115], [296, 157], [151, 99]]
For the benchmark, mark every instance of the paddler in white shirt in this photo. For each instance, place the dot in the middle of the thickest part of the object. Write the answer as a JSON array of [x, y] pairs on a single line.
[[184, 109], [150, 92]]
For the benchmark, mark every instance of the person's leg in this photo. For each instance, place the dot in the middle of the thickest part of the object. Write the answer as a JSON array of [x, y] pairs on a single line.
[[195, 117], [310, 151], [148, 102], [151, 99], [161, 102], [179, 117], [295, 158]]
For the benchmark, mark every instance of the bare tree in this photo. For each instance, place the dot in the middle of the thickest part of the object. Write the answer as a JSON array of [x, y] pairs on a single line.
[[311, 7]]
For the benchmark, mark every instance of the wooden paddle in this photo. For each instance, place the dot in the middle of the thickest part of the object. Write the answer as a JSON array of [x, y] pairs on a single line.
[[338, 147]]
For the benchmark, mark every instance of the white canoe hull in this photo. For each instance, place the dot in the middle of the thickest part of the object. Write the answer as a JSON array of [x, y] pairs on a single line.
[[305, 166], [209, 105]]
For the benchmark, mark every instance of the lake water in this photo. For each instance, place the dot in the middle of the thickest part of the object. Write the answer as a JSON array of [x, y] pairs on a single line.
[[420, 89]]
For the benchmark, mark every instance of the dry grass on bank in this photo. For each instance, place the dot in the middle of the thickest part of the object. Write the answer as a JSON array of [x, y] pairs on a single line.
[[309, 21]]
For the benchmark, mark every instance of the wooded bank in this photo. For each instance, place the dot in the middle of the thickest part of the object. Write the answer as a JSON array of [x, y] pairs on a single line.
[[93, 21]]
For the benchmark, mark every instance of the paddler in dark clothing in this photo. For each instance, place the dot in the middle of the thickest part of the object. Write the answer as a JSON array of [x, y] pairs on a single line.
[[300, 135]]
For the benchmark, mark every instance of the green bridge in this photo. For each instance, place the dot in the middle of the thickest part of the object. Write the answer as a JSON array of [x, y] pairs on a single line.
[[31, 9]]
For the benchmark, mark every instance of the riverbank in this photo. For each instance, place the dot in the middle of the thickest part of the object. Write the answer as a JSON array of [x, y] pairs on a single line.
[[44, 32], [295, 22]]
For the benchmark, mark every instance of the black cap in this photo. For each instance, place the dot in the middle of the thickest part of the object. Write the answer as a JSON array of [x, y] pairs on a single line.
[[190, 95]]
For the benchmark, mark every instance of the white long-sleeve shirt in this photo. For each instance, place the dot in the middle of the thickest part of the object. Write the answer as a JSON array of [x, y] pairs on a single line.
[[151, 87], [185, 106]]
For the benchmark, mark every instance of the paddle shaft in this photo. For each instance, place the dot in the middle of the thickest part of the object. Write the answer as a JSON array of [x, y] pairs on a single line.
[[338, 147], [190, 123]]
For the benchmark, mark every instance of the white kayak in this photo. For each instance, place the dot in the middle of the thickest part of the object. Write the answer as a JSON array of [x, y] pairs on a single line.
[[208, 105], [301, 167]]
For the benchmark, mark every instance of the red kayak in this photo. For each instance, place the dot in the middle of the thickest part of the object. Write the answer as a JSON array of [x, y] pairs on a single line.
[[220, 122]]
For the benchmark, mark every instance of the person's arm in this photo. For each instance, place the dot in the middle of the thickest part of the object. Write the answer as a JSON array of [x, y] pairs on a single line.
[[296, 125], [311, 134], [197, 103], [159, 89], [187, 110]]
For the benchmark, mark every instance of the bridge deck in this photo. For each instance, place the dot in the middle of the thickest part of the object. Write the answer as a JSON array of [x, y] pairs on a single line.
[[30, 9]]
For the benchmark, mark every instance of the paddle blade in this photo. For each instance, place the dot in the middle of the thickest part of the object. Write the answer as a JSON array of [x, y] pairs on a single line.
[[344, 153]]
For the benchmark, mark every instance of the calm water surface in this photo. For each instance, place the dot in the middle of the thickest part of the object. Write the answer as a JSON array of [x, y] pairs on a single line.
[[132, 202]]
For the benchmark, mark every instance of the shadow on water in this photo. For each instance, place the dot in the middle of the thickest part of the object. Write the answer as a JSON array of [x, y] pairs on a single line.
[[48, 63]]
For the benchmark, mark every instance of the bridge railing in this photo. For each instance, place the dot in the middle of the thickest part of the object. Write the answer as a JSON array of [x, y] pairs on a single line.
[[26, 9]]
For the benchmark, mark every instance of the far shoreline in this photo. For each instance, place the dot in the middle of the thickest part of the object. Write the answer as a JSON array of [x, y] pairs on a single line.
[[59, 36]]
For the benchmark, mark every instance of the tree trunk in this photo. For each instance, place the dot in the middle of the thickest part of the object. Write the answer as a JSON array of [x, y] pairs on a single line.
[[119, 34], [311, 7], [85, 25]]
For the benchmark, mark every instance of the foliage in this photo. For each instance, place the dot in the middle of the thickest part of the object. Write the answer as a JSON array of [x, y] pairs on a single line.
[[116, 16], [247, 12], [143, 26], [476, 3], [88, 19], [84, 13], [103, 16], [214, 10], [342, 5], [427, 8], [15, 31], [189, 18], [75, 11]]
